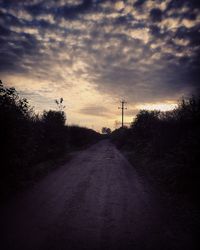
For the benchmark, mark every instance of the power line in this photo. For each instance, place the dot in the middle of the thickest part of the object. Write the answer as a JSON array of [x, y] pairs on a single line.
[[123, 102]]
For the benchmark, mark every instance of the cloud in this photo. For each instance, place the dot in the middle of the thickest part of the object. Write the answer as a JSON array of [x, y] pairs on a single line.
[[119, 5], [69, 11], [156, 15], [139, 3], [145, 51], [95, 111]]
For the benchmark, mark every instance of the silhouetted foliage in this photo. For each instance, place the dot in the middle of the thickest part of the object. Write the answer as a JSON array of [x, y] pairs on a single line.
[[80, 137], [59, 103], [54, 132], [28, 139], [166, 146], [106, 130]]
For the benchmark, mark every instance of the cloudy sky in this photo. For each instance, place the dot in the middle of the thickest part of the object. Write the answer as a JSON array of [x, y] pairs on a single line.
[[95, 52]]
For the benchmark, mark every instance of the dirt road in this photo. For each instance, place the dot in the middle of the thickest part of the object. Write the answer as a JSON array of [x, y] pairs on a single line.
[[96, 201]]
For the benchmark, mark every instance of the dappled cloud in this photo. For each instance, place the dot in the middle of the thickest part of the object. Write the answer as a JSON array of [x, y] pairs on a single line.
[[93, 53]]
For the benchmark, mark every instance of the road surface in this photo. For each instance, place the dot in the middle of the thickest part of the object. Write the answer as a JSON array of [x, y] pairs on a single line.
[[95, 201]]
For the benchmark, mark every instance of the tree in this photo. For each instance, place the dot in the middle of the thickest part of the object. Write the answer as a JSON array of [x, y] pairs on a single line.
[[106, 130], [60, 105]]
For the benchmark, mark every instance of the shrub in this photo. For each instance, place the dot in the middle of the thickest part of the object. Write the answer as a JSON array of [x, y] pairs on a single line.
[[28, 139], [166, 145]]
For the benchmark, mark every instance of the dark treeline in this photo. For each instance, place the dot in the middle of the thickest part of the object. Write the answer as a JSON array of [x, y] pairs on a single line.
[[165, 146], [28, 139]]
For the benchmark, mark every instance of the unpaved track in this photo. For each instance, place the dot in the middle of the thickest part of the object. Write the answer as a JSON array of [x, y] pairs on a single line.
[[96, 201]]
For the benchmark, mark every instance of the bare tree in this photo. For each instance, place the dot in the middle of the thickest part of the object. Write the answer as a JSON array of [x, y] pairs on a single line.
[[60, 105]]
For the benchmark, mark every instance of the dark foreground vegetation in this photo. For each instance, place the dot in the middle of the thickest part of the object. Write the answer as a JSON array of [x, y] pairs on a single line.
[[165, 146], [31, 143]]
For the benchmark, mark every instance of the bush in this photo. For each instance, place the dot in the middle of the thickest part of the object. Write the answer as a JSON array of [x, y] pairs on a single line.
[[80, 137], [55, 134], [166, 146], [28, 139]]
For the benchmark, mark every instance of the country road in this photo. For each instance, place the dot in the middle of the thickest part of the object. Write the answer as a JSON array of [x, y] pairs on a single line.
[[95, 201]]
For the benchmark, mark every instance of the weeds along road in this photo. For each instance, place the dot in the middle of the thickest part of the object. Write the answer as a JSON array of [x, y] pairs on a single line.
[[95, 201]]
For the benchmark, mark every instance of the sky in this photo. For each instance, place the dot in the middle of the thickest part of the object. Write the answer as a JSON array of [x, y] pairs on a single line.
[[94, 53]]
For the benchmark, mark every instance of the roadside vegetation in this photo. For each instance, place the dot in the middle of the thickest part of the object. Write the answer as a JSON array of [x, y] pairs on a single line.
[[165, 147], [31, 144]]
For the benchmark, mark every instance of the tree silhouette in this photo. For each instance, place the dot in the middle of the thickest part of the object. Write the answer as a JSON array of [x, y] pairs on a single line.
[[28, 139], [166, 146], [60, 105], [105, 130]]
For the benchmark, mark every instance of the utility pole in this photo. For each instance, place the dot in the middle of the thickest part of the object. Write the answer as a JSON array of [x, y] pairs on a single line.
[[122, 108]]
